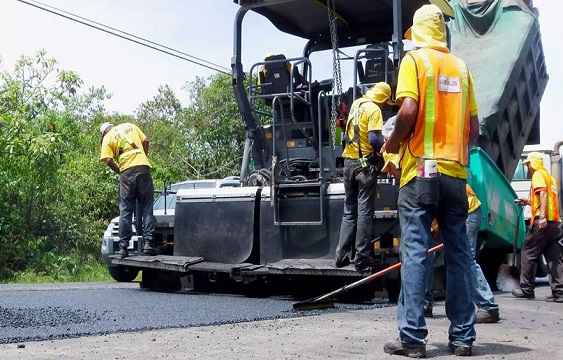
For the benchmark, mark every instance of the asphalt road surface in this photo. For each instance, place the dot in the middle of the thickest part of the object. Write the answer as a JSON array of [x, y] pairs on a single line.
[[57, 311], [528, 329]]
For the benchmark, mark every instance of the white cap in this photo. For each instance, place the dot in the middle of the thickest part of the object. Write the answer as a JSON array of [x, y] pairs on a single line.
[[104, 127]]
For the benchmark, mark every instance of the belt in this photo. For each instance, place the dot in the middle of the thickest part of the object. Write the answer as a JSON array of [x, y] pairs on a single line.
[[137, 168]]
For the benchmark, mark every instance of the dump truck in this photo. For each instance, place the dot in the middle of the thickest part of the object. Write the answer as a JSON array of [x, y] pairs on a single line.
[[282, 225]]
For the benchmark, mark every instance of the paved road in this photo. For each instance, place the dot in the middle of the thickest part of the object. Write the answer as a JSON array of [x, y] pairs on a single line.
[[56, 311], [528, 330]]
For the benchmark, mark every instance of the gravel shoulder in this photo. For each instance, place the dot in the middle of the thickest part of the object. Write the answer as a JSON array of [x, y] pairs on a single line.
[[528, 330]]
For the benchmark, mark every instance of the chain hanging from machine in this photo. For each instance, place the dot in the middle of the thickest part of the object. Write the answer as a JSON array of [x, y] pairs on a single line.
[[336, 75]]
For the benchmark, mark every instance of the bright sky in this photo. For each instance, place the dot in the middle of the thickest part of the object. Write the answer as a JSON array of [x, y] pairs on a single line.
[[132, 73]]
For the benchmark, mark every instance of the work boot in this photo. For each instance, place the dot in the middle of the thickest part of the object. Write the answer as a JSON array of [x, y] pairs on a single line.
[[150, 249], [461, 350], [368, 265], [554, 298], [396, 347], [487, 317], [519, 293], [123, 253], [343, 261]]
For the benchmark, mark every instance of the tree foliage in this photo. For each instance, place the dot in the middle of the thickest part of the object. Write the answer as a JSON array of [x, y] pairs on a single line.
[[56, 197], [215, 131]]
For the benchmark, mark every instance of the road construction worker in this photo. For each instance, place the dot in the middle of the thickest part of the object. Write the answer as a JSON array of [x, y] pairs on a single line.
[[483, 298], [543, 232], [435, 125], [127, 144], [362, 163]]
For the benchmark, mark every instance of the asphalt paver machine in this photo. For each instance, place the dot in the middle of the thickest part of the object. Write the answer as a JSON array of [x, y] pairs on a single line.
[[282, 225]]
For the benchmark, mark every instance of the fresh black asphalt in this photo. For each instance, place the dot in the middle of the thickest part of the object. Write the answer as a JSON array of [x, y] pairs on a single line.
[[32, 315]]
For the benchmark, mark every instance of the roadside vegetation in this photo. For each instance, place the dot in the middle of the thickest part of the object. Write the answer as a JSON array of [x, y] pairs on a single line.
[[56, 198]]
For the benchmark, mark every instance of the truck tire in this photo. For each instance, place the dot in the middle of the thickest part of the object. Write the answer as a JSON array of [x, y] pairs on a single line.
[[490, 261], [123, 273]]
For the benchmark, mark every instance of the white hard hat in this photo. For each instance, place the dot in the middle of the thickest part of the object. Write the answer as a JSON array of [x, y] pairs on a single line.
[[104, 127]]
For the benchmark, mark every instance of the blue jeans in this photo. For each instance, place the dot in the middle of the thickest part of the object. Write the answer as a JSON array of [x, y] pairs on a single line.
[[416, 219], [359, 205], [483, 297], [136, 186], [430, 269]]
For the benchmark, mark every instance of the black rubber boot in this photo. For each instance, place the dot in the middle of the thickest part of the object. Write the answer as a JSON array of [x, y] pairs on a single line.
[[123, 252], [150, 249]]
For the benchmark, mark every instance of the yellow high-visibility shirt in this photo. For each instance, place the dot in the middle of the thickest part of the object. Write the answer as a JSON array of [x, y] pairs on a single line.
[[114, 147], [407, 86], [369, 119]]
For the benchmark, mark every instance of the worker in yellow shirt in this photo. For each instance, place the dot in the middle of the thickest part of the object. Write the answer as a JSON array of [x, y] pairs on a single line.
[[362, 163], [543, 233], [435, 125], [128, 145]]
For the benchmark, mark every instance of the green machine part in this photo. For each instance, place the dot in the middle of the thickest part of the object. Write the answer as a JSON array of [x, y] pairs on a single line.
[[501, 216]]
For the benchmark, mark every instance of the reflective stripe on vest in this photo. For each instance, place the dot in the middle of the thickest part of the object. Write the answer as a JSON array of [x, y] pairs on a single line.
[[552, 199], [122, 139], [356, 128], [438, 117]]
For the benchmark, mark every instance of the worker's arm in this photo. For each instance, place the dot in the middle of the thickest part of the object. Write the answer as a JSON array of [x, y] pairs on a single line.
[[473, 120], [375, 139], [473, 130], [522, 201], [542, 222], [112, 165], [404, 125], [146, 146]]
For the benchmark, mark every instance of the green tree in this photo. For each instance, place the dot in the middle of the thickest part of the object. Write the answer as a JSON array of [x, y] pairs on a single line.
[[43, 130], [215, 130], [162, 120]]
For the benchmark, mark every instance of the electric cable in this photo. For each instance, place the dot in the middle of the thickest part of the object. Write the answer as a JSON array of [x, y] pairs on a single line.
[[126, 36]]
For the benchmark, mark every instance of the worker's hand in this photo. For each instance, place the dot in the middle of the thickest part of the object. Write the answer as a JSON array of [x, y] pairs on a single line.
[[542, 223], [522, 202], [391, 147]]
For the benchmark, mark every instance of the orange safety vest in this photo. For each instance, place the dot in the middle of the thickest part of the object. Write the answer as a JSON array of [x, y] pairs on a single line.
[[552, 198], [442, 124]]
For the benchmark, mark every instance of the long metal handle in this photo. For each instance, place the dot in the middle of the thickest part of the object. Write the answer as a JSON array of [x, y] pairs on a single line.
[[371, 277]]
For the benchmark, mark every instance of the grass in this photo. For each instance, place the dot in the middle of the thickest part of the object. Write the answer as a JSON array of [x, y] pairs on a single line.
[[91, 271]]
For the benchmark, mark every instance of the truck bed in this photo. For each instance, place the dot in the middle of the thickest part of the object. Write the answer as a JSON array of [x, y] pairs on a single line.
[[501, 43]]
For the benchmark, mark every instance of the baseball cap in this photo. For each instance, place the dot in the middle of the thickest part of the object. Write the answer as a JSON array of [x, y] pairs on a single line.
[[380, 93]]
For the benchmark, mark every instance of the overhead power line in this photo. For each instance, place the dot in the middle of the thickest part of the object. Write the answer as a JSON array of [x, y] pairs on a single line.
[[127, 36]]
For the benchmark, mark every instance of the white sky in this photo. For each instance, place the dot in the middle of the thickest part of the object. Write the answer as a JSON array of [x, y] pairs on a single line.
[[132, 73]]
